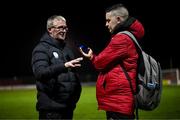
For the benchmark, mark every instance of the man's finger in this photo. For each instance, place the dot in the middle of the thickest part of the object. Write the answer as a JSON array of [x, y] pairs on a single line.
[[77, 65], [80, 58]]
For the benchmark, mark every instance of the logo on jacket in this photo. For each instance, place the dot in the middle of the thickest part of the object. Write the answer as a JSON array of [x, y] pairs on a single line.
[[55, 54]]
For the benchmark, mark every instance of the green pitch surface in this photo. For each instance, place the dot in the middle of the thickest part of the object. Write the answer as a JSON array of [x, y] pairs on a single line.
[[20, 104]]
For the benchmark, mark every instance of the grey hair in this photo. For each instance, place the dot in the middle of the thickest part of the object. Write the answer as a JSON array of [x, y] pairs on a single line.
[[119, 10], [51, 20]]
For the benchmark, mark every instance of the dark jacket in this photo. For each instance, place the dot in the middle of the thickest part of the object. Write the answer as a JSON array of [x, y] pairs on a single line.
[[112, 88], [58, 87]]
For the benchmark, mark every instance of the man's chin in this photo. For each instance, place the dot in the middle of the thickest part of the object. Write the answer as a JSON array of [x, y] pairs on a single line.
[[62, 38]]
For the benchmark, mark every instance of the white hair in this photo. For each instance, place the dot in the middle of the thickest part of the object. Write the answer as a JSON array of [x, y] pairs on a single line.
[[52, 18]]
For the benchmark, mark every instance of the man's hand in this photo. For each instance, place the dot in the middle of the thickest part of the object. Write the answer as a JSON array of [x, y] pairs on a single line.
[[88, 55], [74, 63]]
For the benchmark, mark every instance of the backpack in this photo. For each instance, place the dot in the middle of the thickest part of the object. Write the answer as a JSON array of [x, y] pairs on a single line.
[[148, 81]]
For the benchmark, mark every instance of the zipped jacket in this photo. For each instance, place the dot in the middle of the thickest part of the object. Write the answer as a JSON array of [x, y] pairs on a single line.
[[112, 88], [58, 88]]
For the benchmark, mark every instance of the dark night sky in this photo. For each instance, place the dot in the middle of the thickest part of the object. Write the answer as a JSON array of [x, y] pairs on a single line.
[[22, 24]]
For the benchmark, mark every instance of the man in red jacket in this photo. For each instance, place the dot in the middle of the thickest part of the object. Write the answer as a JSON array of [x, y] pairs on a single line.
[[113, 90]]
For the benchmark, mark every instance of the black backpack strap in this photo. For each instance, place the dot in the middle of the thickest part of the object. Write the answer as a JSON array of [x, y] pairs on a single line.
[[132, 90], [128, 78]]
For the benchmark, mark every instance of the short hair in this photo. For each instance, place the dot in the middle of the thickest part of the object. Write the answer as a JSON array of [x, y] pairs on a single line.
[[51, 19], [118, 10]]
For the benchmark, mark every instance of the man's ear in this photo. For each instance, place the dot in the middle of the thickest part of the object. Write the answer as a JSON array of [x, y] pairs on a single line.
[[119, 19], [49, 30]]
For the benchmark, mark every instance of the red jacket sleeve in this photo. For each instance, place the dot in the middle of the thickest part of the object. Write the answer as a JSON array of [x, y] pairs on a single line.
[[113, 53]]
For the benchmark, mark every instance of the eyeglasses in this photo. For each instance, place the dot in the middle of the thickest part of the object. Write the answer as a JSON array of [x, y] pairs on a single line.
[[61, 28]]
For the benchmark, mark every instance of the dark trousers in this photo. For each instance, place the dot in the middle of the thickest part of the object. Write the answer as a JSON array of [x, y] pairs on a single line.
[[52, 115], [118, 116]]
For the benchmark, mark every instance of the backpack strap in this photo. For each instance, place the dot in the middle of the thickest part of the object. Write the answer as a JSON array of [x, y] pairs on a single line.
[[132, 90], [127, 75], [128, 78], [132, 37]]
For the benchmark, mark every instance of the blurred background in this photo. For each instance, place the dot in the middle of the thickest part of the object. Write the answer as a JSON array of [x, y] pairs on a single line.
[[23, 23]]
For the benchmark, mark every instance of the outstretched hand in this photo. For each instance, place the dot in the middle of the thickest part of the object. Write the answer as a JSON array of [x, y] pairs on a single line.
[[74, 63], [88, 55]]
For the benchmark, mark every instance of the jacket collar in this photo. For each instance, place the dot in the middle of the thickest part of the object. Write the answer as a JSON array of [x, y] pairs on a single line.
[[123, 26], [49, 40]]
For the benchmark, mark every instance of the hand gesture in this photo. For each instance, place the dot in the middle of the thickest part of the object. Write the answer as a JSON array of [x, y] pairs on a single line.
[[74, 63]]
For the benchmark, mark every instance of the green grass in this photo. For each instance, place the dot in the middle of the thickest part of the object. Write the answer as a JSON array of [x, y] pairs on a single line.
[[169, 106], [87, 105], [17, 104], [20, 104]]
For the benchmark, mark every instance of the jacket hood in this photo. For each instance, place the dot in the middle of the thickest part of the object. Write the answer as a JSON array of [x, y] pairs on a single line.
[[49, 40], [132, 25]]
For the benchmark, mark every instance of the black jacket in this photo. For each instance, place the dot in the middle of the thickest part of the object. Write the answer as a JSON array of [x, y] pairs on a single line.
[[58, 87]]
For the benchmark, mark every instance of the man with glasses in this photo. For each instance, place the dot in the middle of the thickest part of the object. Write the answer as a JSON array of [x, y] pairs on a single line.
[[54, 66]]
